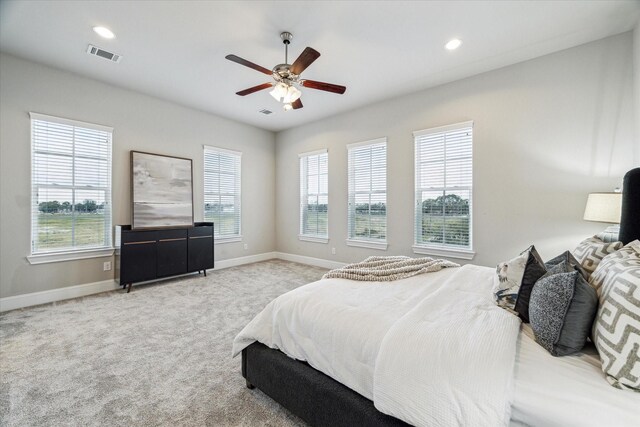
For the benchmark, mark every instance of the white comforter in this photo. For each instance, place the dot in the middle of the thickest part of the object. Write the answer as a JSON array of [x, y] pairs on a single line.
[[431, 349]]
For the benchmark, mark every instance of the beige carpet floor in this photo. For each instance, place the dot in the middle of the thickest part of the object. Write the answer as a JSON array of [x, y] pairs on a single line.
[[159, 356]]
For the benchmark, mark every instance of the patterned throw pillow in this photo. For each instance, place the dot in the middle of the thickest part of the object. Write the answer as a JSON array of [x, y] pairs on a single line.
[[514, 281], [591, 251], [616, 330], [562, 309]]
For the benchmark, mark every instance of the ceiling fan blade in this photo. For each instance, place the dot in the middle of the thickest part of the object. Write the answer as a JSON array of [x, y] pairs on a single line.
[[254, 89], [312, 84], [297, 104], [305, 59], [249, 64]]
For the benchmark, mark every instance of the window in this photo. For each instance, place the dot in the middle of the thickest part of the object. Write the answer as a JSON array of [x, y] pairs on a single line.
[[314, 196], [71, 188], [367, 210], [443, 200], [222, 193]]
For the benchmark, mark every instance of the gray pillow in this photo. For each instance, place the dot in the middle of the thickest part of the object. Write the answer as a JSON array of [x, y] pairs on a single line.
[[562, 309], [571, 261]]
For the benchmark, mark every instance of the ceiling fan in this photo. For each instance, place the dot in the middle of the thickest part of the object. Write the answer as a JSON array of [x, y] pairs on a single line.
[[287, 76]]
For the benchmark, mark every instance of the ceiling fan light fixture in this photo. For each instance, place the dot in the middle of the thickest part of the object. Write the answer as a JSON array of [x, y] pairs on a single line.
[[292, 95], [279, 91], [287, 107]]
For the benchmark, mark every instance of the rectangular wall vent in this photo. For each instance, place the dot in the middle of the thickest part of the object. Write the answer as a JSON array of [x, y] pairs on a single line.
[[94, 50], [265, 111]]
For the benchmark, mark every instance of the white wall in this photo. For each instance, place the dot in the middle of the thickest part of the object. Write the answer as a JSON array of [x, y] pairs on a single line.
[[140, 123], [636, 79], [546, 133]]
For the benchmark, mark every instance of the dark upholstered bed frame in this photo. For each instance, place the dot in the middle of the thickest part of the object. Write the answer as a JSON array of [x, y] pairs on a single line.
[[313, 396], [322, 401]]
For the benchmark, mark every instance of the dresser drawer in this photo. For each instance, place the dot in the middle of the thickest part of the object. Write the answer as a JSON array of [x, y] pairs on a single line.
[[173, 234], [205, 230], [139, 236]]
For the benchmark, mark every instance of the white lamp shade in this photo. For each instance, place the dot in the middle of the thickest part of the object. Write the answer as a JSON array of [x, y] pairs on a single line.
[[279, 91], [603, 207], [292, 95]]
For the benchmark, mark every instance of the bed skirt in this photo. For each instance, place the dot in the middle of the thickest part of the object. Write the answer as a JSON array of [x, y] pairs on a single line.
[[311, 395]]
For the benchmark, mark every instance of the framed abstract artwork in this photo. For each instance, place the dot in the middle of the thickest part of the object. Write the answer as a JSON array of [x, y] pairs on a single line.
[[161, 191]]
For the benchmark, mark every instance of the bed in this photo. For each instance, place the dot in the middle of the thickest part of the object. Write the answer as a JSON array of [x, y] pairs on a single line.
[[323, 357]]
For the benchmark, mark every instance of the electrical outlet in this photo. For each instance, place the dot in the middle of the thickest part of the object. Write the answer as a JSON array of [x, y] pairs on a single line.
[[106, 266], [333, 251], [246, 246]]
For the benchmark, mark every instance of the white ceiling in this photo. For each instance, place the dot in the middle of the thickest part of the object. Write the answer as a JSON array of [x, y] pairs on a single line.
[[175, 49]]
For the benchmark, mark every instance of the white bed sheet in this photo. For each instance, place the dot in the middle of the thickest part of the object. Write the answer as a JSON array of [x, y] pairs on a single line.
[[567, 391]]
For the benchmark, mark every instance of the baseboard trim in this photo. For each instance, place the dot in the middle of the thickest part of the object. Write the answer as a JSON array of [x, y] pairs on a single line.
[[317, 262], [43, 297], [233, 262]]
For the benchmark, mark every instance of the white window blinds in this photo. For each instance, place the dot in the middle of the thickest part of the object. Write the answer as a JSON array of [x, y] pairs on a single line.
[[71, 185], [367, 209], [443, 198], [222, 191], [314, 194]]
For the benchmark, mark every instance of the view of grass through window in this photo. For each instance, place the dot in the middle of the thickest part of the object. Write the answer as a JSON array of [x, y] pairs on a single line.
[[61, 225], [367, 172], [446, 220], [223, 218], [222, 191], [371, 221], [314, 197], [71, 185], [444, 185], [315, 221]]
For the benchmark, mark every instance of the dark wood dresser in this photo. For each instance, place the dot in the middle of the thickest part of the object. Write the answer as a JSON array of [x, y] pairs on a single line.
[[143, 255]]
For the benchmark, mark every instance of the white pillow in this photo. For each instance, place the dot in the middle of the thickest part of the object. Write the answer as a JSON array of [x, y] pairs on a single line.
[[507, 280]]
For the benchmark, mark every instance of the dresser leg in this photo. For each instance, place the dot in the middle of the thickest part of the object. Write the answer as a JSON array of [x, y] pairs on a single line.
[[129, 288], [205, 272]]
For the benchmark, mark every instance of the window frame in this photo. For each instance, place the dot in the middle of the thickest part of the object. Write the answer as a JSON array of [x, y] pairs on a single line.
[[226, 238], [451, 251], [72, 252], [303, 184], [352, 240]]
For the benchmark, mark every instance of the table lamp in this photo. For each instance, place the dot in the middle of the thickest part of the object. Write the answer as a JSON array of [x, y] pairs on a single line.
[[605, 207]]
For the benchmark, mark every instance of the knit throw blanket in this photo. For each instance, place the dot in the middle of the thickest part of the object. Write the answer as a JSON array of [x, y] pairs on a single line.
[[388, 268]]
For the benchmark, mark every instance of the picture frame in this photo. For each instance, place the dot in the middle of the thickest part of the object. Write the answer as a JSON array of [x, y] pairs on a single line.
[[161, 191]]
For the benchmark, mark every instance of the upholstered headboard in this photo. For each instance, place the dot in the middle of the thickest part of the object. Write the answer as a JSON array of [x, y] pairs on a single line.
[[630, 217]]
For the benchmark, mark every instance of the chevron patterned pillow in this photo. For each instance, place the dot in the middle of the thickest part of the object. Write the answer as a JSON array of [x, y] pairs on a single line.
[[592, 250], [616, 330]]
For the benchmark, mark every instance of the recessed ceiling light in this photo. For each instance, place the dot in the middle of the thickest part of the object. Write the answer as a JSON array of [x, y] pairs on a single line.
[[453, 44], [104, 32]]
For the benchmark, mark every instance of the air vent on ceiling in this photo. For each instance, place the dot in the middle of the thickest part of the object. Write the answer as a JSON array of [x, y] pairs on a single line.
[[265, 111], [94, 50]]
